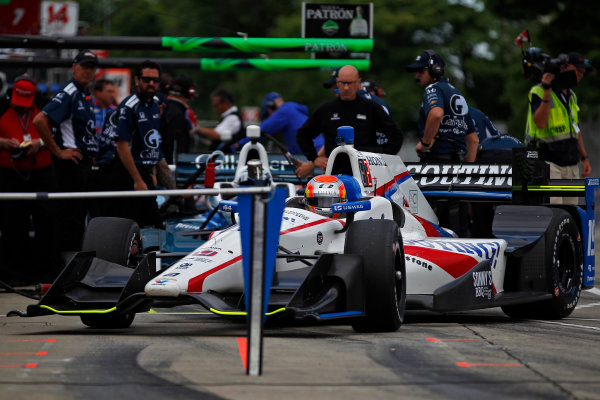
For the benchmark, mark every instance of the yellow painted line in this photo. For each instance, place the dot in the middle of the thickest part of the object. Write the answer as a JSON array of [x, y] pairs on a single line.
[[556, 189], [558, 186], [242, 313], [80, 311]]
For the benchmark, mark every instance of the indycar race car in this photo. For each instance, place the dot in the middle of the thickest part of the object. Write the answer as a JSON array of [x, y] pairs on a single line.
[[366, 256]]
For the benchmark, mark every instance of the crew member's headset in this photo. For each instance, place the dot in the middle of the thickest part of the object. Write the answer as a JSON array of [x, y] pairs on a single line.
[[435, 68]]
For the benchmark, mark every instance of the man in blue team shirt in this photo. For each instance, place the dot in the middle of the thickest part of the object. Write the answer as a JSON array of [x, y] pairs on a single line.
[[485, 128], [139, 147], [446, 130], [285, 117], [67, 128]]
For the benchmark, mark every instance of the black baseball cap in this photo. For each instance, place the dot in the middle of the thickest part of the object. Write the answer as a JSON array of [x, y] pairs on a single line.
[[422, 61], [329, 83], [85, 57], [182, 86], [576, 59]]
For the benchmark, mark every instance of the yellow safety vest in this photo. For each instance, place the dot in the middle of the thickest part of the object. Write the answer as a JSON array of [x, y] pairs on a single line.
[[560, 121]]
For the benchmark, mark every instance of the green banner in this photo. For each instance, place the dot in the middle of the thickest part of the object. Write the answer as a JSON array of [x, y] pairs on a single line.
[[264, 45], [280, 64]]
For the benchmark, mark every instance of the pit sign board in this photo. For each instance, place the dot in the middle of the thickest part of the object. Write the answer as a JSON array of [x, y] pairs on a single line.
[[59, 18], [20, 17]]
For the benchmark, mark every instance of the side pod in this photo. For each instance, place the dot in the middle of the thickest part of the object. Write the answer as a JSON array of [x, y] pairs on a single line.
[[473, 290]]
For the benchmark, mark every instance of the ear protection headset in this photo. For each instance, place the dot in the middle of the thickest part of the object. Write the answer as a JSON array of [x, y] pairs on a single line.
[[435, 68]]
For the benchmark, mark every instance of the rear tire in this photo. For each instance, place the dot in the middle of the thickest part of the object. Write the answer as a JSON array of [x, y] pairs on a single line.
[[117, 240], [105, 321], [564, 271], [379, 243]]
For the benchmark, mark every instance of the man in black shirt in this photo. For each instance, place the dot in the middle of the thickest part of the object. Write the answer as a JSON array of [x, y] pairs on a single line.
[[180, 120], [366, 117]]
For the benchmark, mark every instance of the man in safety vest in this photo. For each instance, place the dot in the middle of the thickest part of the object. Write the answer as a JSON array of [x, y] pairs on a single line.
[[553, 124]]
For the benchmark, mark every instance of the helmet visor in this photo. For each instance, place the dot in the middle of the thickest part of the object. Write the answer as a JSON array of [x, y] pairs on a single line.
[[322, 202]]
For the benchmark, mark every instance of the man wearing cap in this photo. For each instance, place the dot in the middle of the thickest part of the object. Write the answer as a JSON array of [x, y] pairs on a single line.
[[285, 117], [367, 117], [67, 127], [139, 147], [180, 120], [447, 133], [25, 166], [553, 124]]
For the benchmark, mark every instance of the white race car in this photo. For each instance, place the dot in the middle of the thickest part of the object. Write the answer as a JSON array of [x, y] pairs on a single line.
[[365, 255]]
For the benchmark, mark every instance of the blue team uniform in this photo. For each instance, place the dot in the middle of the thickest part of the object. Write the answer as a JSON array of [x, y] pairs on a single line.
[[485, 127], [456, 122], [107, 145], [71, 112], [139, 124]]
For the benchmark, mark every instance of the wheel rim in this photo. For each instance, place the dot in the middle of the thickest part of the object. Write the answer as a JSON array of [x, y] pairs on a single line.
[[566, 265], [399, 279]]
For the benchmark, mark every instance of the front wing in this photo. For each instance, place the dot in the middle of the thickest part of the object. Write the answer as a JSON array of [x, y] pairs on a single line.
[[332, 288]]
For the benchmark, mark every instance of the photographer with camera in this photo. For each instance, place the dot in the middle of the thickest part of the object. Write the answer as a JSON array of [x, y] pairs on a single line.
[[552, 118]]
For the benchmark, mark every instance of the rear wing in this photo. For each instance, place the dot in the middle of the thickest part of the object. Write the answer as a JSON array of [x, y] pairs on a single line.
[[526, 181]]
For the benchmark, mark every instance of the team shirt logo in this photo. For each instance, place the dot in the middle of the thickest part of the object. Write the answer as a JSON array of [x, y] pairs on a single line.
[[152, 139], [458, 104]]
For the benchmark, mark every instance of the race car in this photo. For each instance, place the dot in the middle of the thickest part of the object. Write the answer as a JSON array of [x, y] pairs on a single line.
[[362, 244]]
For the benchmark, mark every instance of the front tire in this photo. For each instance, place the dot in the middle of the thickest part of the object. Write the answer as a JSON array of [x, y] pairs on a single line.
[[117, 240], [564, 271], [379, 243]]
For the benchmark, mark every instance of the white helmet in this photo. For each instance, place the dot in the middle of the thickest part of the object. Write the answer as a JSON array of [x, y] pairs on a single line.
[[322, 192]]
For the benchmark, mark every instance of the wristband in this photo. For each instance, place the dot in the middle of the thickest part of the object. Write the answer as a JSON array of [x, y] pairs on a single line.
[[583, 158], [424, 144], [41, 143], [546, 86]]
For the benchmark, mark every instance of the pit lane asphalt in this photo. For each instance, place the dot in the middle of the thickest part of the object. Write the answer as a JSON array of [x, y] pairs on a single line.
[[186, 353]]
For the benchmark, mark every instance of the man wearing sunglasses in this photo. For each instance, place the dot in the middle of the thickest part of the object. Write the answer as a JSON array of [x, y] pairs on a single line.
[[139, 147], [67, 128]]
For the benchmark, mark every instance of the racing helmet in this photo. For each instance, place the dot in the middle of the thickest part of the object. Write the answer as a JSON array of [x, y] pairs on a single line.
[[322, 192]]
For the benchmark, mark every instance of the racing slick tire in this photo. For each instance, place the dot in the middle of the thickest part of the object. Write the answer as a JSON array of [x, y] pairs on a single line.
[[564, 271], [117, 240], [102, 321], [380, 244]]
